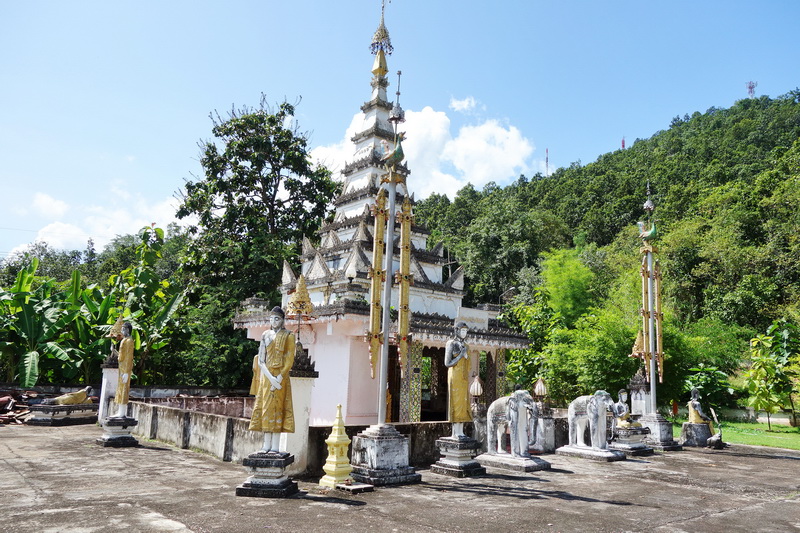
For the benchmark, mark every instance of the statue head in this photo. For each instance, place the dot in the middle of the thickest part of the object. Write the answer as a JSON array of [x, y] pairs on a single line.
[[127, 329], [461, 329], [623, 396], [276, 318], [695, 394]]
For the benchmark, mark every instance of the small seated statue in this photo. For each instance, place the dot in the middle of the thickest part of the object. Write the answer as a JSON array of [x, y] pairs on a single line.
[[622, 413], [696, 414]]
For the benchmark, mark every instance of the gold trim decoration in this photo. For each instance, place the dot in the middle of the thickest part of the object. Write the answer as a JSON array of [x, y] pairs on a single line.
[[300, 303], [404, 279], [378, 276]]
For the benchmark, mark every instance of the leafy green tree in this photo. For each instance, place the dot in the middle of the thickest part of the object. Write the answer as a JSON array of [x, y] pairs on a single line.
[[32, 320], [760, 378], [150, 304], [258, 196]]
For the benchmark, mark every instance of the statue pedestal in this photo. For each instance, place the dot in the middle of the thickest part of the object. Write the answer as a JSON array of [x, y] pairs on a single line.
[[630, 441], [458, 457], [117, 432], [108, 388], [595, 454], [268, 478], [695, 434], [660, 437], [380, 457], [515, 464], [63, 415], [545, 435]]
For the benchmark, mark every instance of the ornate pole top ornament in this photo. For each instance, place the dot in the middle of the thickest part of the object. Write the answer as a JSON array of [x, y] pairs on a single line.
[[645, 233], [300, 303], [381, 43]]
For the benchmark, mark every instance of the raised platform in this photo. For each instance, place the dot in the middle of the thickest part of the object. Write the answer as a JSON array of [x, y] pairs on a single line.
[[380, 457], [695, 434], [117, 432], [458, 457], [515, 464], [267, 478], [585, 452], [63, 415], [630, 441]]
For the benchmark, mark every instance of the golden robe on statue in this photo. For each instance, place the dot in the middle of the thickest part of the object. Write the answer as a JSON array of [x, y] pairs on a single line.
[[125, 370], [273, 411], [458, 384]]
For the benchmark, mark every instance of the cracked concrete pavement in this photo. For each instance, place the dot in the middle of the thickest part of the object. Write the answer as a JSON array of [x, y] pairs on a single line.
[[59, 480]]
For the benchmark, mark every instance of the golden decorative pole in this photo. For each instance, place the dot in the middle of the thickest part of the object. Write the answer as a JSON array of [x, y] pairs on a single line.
[[378, 277], [404, 279]]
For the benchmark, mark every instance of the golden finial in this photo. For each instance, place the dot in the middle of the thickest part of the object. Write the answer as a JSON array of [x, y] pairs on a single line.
[[300, 302], [116, 329]]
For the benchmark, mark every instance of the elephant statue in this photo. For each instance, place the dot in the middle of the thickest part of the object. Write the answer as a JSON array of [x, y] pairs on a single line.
[[592, 410], [519, 413]]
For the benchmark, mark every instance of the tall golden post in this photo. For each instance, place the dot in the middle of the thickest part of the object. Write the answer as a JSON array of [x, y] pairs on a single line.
[[404, 279], [378, 276]]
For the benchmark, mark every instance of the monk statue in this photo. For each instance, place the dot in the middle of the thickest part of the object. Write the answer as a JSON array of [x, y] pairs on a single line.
[[125, 355], [71, 398], [272, 412], [622, 413], [696, 414], [456, 359]]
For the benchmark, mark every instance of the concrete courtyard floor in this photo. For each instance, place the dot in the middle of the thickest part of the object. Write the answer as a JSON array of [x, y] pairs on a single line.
[[59, 480]]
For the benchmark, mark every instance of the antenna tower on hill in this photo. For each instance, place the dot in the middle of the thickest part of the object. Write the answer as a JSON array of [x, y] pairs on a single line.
[[751, 88]]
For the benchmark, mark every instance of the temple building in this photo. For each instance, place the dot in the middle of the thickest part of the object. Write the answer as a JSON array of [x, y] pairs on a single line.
[[336, 278]]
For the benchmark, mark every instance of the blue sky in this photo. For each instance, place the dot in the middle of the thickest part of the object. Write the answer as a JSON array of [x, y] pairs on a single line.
[[104, 102]]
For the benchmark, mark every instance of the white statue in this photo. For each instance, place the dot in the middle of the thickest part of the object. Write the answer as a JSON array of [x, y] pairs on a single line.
[[589, 410], [518, 412]]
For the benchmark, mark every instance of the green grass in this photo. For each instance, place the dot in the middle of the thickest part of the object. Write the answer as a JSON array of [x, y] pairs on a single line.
[[753, 434]]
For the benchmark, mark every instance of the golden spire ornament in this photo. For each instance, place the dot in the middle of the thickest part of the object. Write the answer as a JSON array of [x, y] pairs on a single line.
[[300, 303]]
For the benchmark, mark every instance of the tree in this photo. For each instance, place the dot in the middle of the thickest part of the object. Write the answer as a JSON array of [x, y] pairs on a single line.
[[259, 195], [760, 378]]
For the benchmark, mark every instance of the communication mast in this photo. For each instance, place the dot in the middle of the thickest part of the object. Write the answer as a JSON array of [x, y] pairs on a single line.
[[751, 88]]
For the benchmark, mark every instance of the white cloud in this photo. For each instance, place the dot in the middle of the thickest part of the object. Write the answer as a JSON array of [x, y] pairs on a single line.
[[63, 236], [48, 206], [442, 163], [463, 106], [489, 152]]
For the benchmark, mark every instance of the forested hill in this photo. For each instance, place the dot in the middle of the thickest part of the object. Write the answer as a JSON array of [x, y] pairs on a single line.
[[726, 184]]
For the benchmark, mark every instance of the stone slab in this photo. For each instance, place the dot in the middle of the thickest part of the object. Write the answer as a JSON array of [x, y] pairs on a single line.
[[515, 464], [388, 476], [695, 434], [466, 470], [632, 451], [119, 441], [355, 488], [584, 452], [257, 490]]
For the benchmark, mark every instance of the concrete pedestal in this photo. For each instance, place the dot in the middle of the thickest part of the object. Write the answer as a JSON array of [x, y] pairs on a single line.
[[458, 457], [630, 441], [515, 464], [268, 477], [594, 454], [695, 434], [545, 435], [297, 442], [117, 432], [108, 388], [63, 415], [660, 437], [380, 457]]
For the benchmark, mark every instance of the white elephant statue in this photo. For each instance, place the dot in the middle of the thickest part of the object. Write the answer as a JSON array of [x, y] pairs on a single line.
[[589, 410], [519, 413]]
